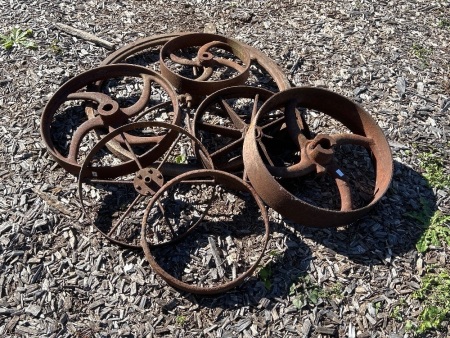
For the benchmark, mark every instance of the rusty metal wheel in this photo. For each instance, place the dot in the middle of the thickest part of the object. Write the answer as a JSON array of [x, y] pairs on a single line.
[[316, 154], [200, 63], [72, 98], [222, 119], [265, 67], [117, 203], [217, 245]]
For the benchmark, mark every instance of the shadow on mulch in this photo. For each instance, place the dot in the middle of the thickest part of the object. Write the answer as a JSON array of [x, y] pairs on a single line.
[[391, 229]]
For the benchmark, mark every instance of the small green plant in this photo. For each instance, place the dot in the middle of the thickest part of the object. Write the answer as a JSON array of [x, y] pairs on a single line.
[[433, 170], [180, 159], [16, 38], [265, 274], [444, 23], [420, 52], [436, 234], [435, 297], [333, 291], [180, 320], [305, 293], [398, 311], [55, 48], [436, 231]]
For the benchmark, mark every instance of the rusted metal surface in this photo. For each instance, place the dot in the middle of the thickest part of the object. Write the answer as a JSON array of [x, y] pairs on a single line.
[[149, 173], [109, 114], [203, 65], [228, 156], [271, 67], [227, 180], [316, 155]]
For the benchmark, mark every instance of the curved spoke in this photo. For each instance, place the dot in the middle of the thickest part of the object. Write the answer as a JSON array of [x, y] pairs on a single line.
[[235, 118], [143, 99], [354, 139], [183, 61], [299, 169], [219, 130], [149, 110], [91, 96], [125, 214], [207, 72], [81, 131], [230, 64], [343, 186]]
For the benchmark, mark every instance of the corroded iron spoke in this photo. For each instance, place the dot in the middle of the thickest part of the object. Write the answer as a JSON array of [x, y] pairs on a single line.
[[219, 130], [183, 61], [274, 123], [354, 139], [207, 73], [235, 118], [125, 214], [342, 183], [230, 64], [143, 99], [149, 110], [133, 154], [81, 131], [99, 181], [166, 156], [255, 106], [228, 148], [265, 152]]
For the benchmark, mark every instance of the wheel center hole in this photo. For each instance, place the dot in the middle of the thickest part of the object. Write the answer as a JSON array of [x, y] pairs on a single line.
[[108, 107], [147, 179], [325, 143]]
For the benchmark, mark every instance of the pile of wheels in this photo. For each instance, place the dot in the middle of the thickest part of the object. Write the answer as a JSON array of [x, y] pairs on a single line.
[[170, 130]]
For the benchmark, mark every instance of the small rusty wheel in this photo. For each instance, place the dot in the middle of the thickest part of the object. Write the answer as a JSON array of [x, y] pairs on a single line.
[[316, 154], [109, 113], [222, 119], [218, 62], [212, 239], [118, 202]]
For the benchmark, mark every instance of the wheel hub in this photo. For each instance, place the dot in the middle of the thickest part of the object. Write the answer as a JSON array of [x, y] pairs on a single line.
[[148, 181]]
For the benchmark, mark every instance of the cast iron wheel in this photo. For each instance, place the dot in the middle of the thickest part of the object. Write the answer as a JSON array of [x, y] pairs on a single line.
[[109, 114], [316, 154], [131, 182], [222, 120], [218, 179]]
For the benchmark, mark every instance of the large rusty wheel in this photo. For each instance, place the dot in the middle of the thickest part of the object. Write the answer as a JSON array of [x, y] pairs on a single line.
[[217, 62], [222, 119], [108, 114], [316, 154], [117, 203], [224, 242], [272, 70]]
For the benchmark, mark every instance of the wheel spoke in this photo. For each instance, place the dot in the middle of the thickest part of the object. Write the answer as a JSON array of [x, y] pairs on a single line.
[[81, 131], [227, 149], [149, 110], [99, 181], [125, 214], [343, 186], [230, 64], [133, 154], [183, 61], [354, 139], [143, 99], [235, 118], [207, 72], [219, 130], [166, 156]]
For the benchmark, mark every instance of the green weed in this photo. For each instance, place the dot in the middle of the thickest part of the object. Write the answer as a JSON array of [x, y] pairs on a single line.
[[444, 23], [421, 52], [265, 274], [180, 320], [433, 170], [55, 48], [435, 297], [437, 232], [305, 293], [16, 38]]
